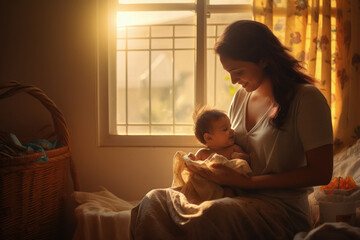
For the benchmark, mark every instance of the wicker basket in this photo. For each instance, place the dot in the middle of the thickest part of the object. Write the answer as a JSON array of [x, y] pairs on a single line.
[[32, 194]]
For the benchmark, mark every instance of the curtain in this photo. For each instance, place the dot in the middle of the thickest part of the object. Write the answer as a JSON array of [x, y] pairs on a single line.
[[325, 36]]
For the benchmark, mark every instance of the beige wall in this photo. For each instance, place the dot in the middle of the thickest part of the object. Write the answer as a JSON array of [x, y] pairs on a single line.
[[52, 44]]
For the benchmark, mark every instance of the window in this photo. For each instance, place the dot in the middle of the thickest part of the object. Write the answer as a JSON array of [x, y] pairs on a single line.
[[156, 63]]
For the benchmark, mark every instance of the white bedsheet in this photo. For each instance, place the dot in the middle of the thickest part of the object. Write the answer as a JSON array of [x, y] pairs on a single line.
[[338, 231], [102, 216], [346, 163]]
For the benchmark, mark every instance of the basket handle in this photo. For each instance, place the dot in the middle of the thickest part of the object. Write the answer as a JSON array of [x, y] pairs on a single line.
[[12, 88]]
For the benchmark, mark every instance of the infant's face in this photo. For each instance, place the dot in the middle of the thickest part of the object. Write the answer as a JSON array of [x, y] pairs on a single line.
[[223, 135]]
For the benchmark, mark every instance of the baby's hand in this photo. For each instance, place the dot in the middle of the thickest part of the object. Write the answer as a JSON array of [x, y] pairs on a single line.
[[237, 155], [191, 156]]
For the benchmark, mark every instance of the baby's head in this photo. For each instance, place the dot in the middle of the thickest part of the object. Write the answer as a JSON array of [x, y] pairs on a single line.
[[212, 128]]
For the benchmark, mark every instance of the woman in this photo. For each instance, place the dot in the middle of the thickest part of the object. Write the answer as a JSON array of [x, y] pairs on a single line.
[[284, 123]]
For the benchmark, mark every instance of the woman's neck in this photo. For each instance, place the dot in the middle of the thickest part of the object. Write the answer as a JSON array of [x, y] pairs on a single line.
[[265, 90]]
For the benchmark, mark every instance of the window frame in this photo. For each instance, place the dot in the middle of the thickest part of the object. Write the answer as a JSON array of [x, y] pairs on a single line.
[[106, 54]]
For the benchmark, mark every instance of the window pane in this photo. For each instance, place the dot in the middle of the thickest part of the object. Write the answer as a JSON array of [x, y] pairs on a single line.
[[154, 17], [211, 43], [133, 32], [185, 31], [160, 130], [161, 87], [226, 18], [121, 32], [121, 88], [138, 86], [138, 44], [138, 130], [210, 77], [120, 44], [162, 31], [211, 30], [219, 30], [161, 43], [184, 85], [185, 43], [121, 130], [155, 75], [225, 2], [155, 1]]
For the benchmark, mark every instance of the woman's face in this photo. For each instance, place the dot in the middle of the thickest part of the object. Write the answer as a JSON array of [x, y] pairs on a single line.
[[248, 74]]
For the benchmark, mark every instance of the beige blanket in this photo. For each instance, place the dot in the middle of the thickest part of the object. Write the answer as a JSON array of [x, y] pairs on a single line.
[[102, 216], [194, 208], [196, 188]]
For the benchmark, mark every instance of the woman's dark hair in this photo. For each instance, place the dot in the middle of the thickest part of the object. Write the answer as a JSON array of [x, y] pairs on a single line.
[[252, 41], [203, 119]]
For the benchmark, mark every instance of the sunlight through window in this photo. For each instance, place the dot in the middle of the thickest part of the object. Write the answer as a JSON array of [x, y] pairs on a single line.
[[156, 64]]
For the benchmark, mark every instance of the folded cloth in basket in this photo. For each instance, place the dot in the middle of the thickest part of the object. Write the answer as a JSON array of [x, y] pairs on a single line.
[[10, 146]]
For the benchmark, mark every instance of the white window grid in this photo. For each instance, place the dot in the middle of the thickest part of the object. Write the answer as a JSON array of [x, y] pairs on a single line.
[[106, 95], [172, 49]]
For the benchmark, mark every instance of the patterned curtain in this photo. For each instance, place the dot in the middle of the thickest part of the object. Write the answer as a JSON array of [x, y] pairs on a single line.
[[325, 36]]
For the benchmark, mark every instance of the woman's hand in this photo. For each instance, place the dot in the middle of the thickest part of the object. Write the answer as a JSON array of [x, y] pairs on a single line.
[[226, 176]]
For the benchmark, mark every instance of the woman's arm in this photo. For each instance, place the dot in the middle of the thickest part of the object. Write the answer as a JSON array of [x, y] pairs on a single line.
[[317, 172]]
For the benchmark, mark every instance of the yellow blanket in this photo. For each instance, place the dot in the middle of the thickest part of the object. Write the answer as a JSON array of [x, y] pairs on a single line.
[[196, 188]]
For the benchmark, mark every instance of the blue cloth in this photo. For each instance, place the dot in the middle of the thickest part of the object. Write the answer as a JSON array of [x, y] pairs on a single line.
[[39, 145]]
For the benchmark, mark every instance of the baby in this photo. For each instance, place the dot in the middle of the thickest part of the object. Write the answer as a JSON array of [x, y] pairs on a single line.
[[213, 129]]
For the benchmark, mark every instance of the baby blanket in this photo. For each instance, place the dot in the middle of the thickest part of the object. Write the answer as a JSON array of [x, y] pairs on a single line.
[[196, 188], [194, 208]]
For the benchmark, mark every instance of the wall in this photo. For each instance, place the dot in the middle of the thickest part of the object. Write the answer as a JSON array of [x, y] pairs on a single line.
[[52, 44]]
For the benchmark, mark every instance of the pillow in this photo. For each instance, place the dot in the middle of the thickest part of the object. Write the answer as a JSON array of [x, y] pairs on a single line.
[[347, 163]]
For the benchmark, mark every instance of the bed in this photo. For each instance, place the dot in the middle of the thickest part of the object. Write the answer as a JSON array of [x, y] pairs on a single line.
[[102, 215]]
